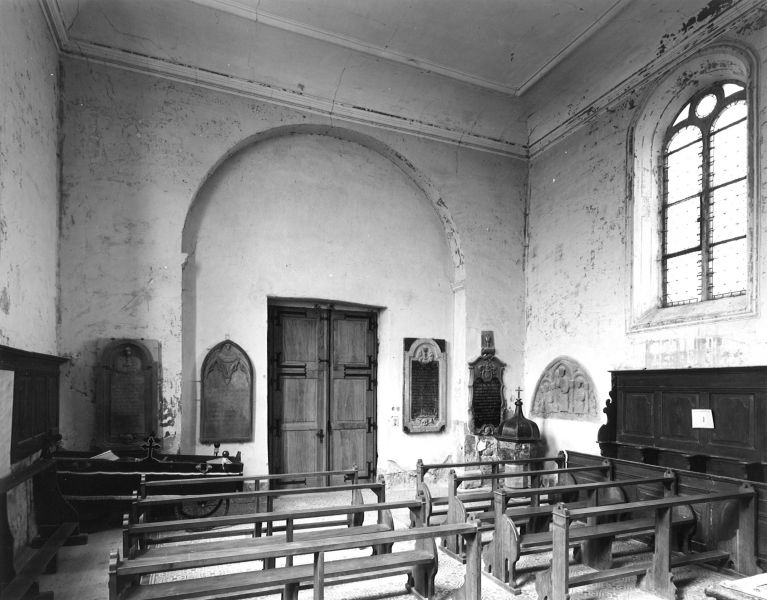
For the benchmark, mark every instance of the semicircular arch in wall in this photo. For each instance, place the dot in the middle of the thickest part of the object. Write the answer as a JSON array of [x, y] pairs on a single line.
[[192, 222]]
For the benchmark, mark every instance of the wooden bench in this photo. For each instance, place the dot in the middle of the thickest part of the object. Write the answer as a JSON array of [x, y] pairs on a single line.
[[438, 504], [419, 563], [57, 525], [146, 508], [655, 574], [148, 538], [457, 508], [227, 488], [512, 539]]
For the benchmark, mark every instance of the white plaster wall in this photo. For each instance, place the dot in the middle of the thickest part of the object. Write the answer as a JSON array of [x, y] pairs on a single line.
[[28, 192], [317, 217], [137, 149], [578, 277]]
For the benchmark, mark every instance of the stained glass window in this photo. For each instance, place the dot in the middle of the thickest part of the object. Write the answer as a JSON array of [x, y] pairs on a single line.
[[705, 198]]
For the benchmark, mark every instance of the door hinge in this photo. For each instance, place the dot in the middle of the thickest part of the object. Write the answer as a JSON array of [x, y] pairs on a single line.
[[371, 425]]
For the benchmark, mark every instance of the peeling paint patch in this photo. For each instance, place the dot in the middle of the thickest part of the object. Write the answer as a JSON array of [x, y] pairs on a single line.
[[708, 13]]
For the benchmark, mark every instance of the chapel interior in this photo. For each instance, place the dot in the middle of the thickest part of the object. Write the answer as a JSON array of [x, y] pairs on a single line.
[[246, 228]]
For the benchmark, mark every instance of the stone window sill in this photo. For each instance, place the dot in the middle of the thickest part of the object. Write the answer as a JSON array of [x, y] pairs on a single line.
[[688, 314]]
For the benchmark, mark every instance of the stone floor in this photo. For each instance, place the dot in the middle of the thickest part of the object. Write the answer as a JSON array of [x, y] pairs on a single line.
[[82, 574]]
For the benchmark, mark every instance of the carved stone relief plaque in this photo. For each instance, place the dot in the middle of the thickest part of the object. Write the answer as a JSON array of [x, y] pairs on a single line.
[[565, 391], [486, 394], [126, 393], [226, 409], [425, 383]]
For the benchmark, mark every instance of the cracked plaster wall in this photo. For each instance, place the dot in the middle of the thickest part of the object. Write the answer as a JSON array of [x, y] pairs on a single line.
[[136, 150], [578, 269]]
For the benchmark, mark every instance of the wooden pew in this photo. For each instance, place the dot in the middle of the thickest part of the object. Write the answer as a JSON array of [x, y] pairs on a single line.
[[420, 564], [143, 508], [227, 488], [457, 510], [511, 539], [306, 523], [438, 504], [57, 525], [655, 574]]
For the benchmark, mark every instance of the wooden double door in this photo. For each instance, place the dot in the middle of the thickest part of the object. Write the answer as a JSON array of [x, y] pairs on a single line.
[[322, 389]]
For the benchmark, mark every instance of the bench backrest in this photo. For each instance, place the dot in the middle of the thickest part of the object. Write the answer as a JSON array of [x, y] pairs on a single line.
[[140, 505], [156, 486], [421, 468], [455, 480]]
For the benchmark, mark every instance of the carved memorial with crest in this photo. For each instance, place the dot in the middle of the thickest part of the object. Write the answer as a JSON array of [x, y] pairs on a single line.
[[127, 393], [226, 410], [425, 378], [486, 389]]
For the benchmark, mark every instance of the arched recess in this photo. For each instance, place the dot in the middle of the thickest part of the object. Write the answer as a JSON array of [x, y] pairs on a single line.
[[391, 179], [662, 102]]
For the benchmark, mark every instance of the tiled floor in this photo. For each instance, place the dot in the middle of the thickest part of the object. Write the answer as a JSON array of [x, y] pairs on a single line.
[[83, 575]]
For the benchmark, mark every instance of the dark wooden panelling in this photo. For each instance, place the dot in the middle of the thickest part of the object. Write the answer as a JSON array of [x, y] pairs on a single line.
[[654, 423], [35, 399]]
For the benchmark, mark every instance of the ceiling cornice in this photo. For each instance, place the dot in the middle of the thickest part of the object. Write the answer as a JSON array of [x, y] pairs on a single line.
[[222, 82], [704, 34]]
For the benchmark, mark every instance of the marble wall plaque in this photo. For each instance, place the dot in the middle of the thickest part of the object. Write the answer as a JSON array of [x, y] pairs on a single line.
[[226, 410], [486, 393], [127, 393], [565, 391], [425, 385]]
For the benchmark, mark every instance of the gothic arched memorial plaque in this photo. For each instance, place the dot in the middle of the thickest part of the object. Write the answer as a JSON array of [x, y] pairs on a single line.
[[425, 378], [486, 393], [226, 410]]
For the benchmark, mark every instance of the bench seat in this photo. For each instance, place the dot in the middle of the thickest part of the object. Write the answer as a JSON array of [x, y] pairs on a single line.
[[158, 546], [234, 585]]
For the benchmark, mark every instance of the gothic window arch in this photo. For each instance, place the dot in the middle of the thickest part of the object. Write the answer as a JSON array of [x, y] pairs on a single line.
[[692, 193]]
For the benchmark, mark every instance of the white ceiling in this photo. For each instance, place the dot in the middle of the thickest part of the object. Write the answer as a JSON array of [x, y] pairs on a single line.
[[468, 71]]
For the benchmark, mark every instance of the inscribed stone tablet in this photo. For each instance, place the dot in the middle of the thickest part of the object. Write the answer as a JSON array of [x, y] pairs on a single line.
[[424, 400], [227, 385]]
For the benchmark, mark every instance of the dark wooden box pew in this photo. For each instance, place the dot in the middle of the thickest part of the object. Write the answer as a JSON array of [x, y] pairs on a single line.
[[458, 508], [222, 485], [438, 504], [57, 525], [419, 563], [150, 539], [655, 575], [513, 538], [146, 509], [101, 489]]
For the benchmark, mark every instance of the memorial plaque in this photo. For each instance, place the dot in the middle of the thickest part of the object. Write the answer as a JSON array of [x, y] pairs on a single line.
[[425, 377], [127, 394], [486, 394], [226, 411]]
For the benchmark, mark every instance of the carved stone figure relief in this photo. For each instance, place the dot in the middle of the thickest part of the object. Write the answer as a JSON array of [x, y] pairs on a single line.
[[565, 391]]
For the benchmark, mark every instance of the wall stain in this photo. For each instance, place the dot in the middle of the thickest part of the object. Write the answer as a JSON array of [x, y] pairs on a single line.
[[5, 301]]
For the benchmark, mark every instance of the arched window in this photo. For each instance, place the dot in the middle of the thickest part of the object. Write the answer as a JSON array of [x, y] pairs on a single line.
[[693, 175], [705, 198]]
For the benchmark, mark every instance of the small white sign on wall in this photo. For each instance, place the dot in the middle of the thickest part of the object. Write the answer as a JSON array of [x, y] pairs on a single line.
[[702, 418]]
